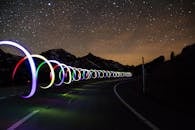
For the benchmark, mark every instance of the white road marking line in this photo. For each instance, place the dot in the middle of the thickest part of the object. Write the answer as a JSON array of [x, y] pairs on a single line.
[[20, 122], [2, 98], [143, 119]]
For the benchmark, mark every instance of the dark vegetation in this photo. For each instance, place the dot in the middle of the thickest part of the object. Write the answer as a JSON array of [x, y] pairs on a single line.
[[173, 81]]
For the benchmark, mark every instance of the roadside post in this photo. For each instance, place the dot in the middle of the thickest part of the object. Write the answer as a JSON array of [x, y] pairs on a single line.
[[143, 76]]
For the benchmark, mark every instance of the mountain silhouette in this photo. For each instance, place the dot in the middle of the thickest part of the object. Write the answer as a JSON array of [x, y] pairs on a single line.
[[7, 64], [89, 61], [60, 55]]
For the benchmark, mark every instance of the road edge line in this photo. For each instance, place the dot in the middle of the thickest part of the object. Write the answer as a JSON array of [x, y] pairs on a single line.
[[142, 118]]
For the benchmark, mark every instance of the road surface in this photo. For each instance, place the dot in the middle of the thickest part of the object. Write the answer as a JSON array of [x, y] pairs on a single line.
[[98, 105]]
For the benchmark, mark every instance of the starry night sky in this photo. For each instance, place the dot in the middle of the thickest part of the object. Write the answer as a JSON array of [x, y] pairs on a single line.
[[121, 30]]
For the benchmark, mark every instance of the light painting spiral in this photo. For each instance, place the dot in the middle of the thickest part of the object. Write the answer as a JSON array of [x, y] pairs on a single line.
[[66, 74]]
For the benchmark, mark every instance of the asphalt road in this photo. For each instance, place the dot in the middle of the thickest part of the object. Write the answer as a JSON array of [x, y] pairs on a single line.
[[108, 104]]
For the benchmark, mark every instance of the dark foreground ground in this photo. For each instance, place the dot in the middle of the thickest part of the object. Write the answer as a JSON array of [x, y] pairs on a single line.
[[92, 106]]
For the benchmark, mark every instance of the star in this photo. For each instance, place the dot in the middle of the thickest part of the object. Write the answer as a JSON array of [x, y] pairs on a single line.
[[104, 28], [49, 4]]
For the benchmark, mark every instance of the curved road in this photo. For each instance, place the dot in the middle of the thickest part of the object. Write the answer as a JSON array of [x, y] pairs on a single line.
[[87, 106]]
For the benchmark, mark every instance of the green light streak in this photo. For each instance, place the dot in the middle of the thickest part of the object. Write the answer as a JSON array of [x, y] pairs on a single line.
[[73, 96]]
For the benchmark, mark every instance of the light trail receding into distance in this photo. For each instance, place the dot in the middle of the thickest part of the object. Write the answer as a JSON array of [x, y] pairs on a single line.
[[66, 75]]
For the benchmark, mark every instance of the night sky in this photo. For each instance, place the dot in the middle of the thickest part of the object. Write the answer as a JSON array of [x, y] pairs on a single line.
[[121, 30]]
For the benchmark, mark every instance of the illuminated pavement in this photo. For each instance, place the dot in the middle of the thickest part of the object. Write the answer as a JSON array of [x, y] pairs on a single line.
[[89, 106]]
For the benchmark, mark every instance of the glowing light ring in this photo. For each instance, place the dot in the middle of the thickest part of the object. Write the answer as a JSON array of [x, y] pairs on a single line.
[[88, 74], [51, 75], [77, 75], [69, 74], [31, 63], [101, 74], [104, 74], [39, 66], [98, 73], [51, 69], [36, 73], [74, 76], [83, 73], [120, 74], [95, 74], [17, 65], [62, 69], [108, 74], [72, 73], [112, 74], [115, 74]]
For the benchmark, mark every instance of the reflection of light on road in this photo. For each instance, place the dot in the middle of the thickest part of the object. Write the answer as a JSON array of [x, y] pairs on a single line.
[[79, 89], [73, 96]]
